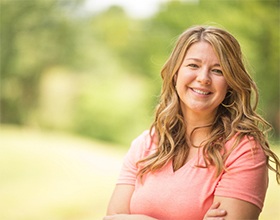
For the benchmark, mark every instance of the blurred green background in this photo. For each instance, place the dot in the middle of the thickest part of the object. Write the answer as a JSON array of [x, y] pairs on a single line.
[[78, 85]]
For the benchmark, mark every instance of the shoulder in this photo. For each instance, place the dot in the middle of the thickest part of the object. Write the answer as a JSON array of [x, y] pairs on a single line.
[[143, 137], [143, 141], [245, 147], [143, 145]]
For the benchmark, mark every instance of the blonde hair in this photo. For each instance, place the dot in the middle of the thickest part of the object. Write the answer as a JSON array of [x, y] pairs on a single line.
[[236, 115]]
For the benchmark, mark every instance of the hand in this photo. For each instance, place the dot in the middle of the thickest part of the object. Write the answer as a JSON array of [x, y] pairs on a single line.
[[214, 213]]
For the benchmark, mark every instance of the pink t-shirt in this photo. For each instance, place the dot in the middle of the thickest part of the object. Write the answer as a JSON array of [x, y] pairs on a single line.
[[189, 192]]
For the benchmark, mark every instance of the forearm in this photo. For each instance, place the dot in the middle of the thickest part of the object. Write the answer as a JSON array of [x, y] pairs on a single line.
[[120, 200]]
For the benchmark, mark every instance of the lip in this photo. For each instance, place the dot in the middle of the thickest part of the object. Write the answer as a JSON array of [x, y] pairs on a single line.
[[201, 91]]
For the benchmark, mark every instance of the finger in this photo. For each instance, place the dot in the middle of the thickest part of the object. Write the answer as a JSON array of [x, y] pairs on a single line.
[[215, 205], [216, 213]]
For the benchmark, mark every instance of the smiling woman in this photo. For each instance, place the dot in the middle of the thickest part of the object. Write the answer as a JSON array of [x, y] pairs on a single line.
[[200, 84], [206, 154]]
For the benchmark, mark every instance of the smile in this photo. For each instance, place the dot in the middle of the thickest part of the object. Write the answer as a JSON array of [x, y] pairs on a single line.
[[201, 92]]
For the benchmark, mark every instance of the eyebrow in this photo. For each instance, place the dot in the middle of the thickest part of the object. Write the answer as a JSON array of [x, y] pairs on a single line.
[[198, 60]]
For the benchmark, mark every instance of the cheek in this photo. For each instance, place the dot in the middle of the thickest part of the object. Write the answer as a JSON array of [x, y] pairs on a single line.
[[182, 78]]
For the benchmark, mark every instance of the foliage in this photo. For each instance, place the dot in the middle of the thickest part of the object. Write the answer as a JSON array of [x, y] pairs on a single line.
[[99, 74], [30, 43]]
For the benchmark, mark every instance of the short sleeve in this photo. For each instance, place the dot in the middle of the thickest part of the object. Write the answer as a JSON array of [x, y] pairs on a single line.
[[246, 175], [137, 151]]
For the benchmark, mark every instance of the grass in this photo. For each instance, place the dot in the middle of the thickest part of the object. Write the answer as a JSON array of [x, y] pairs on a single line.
[[50, 176]]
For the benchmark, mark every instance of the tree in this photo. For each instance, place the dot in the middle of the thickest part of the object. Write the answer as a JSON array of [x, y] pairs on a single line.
[[30, 43]]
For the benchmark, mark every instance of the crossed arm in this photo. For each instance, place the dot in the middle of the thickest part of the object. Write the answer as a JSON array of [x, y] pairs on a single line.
[[118, 208]]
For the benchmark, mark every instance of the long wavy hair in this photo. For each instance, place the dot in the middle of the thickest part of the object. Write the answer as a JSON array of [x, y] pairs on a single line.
[[236, 115]]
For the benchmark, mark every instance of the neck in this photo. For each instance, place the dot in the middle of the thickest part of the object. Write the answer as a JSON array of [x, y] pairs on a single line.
[[202, 122], [194, 120]]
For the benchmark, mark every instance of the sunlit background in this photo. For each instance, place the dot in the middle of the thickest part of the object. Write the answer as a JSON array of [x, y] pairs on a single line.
[[80, 80]]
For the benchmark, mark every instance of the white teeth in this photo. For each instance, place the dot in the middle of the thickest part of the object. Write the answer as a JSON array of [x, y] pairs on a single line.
[[201, 92]]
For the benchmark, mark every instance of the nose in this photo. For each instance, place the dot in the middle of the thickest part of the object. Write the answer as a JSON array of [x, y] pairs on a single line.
[[203, 77]]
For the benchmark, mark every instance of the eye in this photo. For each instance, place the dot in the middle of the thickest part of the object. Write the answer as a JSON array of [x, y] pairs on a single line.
[[217, 71], [193, 65]]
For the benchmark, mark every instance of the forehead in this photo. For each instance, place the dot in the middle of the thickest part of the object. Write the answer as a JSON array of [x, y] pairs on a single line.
[[201, 50]]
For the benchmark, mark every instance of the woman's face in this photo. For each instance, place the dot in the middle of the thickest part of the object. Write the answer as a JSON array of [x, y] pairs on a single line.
[[200, 83]]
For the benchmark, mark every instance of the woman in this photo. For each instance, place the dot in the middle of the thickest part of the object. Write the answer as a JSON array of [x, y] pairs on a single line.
[[206, 151]]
